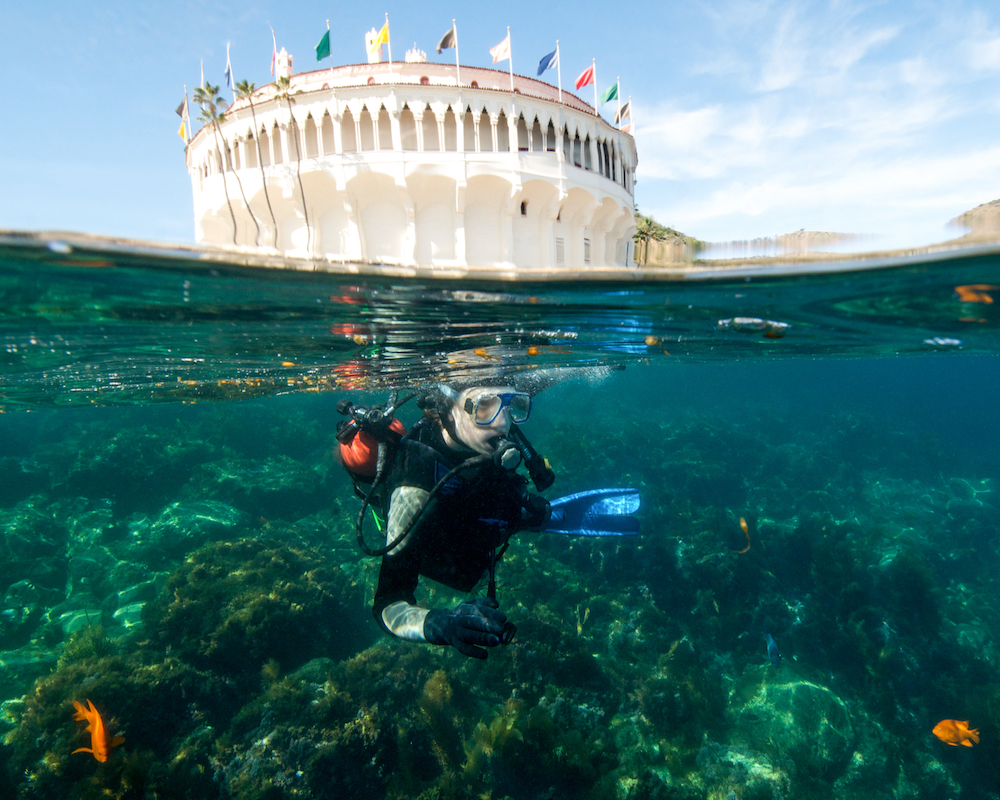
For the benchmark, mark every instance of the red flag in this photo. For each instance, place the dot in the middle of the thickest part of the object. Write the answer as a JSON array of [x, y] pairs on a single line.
[[587, 76], [274, 51]]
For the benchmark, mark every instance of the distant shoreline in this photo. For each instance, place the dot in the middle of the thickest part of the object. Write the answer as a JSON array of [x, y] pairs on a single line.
[[80, 249]]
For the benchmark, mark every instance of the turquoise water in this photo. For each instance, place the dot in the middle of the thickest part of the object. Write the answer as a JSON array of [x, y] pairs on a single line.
[[177, 544]]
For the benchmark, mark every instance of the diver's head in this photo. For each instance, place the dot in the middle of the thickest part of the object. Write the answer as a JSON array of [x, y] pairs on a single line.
[[480, 416]]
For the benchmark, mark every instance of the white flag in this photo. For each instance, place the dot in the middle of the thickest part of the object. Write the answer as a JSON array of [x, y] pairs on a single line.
[[502, 51]]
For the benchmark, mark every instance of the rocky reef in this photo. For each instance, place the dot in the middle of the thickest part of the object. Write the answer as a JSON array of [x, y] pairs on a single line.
[[192, 572]]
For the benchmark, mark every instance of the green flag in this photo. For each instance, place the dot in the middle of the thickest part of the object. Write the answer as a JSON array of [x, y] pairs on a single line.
[[323, 48], [610, 93]]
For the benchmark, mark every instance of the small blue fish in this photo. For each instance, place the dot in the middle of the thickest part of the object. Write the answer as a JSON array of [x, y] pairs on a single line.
[[772, 652]]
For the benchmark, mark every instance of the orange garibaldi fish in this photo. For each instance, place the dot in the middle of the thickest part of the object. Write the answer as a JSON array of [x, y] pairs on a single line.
[[955, 732], [99, 744]]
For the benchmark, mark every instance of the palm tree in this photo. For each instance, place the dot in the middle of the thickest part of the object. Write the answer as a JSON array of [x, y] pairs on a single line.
[[245, 89], [212, 105], [284, 86], [207, 97]]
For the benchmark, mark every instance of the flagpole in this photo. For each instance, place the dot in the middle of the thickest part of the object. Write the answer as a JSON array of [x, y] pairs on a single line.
[[594, 64], [331, 52], [186, 119], [510, 63], [458, 68], [388, 41], [274, 51], [618, 92], [559, 71], [229, 69]]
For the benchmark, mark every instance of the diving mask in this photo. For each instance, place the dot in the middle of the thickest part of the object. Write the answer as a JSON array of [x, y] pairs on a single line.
[[485, 408]]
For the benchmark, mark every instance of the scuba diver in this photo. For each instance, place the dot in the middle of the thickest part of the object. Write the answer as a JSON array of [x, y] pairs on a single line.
[[450, 498]]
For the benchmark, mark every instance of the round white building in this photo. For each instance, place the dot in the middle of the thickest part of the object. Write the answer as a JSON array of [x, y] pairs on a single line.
[[416, 164]]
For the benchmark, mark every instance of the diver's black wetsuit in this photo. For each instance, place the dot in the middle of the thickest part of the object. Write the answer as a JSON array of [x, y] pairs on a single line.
[[471, 517]]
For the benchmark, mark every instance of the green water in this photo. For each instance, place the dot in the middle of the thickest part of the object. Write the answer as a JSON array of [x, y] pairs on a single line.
[[177, 544]]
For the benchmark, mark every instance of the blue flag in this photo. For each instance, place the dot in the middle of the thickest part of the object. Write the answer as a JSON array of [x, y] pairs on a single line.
[[551, 61], [229, 71]]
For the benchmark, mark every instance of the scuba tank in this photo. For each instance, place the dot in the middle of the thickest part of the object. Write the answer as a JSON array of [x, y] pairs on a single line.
[[366, 444], [357, 446]]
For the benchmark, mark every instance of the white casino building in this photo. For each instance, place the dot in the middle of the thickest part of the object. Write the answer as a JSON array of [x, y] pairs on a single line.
[[403, 164]]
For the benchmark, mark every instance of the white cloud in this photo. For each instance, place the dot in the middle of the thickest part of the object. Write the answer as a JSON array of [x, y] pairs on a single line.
[[984, 54], [834, 120]]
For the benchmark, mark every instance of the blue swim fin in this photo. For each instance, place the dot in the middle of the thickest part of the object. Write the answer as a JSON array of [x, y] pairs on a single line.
[[598, 512]]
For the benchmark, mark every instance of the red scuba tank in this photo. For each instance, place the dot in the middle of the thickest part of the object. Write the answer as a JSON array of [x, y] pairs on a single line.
[[359, 454]]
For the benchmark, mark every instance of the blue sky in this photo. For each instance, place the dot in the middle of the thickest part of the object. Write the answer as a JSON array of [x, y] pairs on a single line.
[[753, 118]]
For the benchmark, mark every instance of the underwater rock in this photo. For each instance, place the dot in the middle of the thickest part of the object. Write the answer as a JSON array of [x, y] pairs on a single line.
[[24, 605], [325, 749], [180, 528], [139, 468], [232, 606], [140, 592], [72, 621], [130, 615], [20, 478], [658, 784], [10, 713], [794, 721], [738, 771], [89, 571], [20, 668], [32, 544], [278, 487], [90, 524]]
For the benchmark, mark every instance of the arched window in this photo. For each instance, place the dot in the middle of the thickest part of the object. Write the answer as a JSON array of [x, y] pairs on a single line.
[[371, 81], [588, 159], [550, 138], [407, 129], [279, 156], [384, 130], [250, 148], [367, 129], [474, 85], [312, 138], [537, 143], [430, 126], [503, 134], [425, 81], [485, 133], [577, 151], [450, 131], [523, 142], [329, 144], [265, 148], [469, 131], [348, 139]]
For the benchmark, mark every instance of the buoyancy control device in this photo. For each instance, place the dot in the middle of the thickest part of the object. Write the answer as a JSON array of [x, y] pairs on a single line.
[[368, 440]]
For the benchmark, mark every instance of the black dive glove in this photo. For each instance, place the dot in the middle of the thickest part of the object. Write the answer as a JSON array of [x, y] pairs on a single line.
[[536, 512], [474, 622]]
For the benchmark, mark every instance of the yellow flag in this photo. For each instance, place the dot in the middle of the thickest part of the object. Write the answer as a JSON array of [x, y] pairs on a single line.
[[182, 131], [382, 38]]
